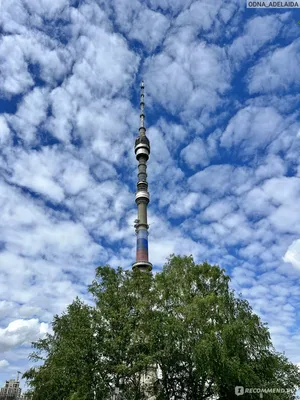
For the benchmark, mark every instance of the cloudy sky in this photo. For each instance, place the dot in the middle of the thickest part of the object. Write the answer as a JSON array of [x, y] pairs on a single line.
[[222, 102]]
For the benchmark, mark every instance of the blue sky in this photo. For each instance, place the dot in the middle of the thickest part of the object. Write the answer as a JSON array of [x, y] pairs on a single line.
[[222, 111]]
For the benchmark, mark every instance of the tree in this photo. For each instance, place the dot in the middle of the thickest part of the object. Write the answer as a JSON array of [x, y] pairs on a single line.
[[184, 322], [67, 356], [208, 340]]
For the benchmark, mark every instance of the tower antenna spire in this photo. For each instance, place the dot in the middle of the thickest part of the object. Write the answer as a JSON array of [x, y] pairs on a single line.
[[142, 106], [142, 197]]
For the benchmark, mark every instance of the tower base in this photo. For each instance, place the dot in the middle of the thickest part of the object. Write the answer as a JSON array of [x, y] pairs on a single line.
[[144, 266]]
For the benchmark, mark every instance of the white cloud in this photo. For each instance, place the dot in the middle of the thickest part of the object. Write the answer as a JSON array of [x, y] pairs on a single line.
[[46, 8], [186, 204], [18, 52], [243, 276], [285, 219], [218, 180], [276, 71], [114, 118], [15, 77], [252, 250], [6, 307], [32, 111], [217, 210], [171, 83], [165, 242], [36, 171], [90, 67], [256, 203], [13, 16], [4, 131], [43, 253], [150, 28], [202, 14], [20, 332], [173, 6], [273, 165], [257, 32], [196, 153], [4, 364], [174, 134], [63, 109], [252, 128], [283, 190], [187, 76]]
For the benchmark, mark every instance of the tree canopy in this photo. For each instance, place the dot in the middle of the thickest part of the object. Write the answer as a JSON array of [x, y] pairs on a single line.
[[184, 328]]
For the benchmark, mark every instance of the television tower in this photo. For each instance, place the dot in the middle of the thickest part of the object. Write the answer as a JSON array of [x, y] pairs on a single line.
[[142, 197]]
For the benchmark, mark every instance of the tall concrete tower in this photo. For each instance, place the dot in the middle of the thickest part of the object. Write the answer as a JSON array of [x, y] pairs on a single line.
[[142, 151]]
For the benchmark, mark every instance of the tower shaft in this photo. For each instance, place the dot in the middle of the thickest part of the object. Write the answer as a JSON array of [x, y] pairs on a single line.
[[142, 152]]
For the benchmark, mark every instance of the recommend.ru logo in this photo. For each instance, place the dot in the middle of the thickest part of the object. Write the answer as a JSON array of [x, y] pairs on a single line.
[[240, 390]]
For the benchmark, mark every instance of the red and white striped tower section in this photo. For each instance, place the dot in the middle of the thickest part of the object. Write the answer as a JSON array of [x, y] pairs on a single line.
[[142, 151]]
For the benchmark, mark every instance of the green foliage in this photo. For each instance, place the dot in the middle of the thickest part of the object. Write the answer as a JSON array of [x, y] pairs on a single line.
[[68, 355], [184, 321]]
